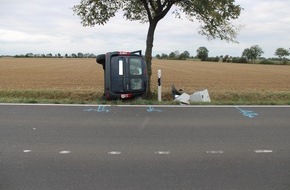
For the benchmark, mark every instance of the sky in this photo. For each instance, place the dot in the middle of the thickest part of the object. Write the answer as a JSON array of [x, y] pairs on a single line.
[[50, 26]]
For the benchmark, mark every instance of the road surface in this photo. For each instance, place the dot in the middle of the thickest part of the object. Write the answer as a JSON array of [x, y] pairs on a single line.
[[44, 147]]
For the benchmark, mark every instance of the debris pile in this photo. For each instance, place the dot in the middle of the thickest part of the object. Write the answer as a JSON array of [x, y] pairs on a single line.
[[184, 98]]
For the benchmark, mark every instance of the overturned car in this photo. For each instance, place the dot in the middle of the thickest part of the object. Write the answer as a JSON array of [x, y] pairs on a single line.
[[125, 74]]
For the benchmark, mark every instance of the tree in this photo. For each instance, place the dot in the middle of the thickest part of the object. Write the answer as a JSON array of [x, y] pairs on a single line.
[[202, 53], [215, 16], [29, 55], [172, 55], [247, 54], [80, 55], [184, 55], [253, 53], [49, 55], [282, 54], [164, 56]]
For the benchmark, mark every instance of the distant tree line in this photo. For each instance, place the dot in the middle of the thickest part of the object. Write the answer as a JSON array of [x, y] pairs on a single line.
[[249, 55], [176, 55], [58, 55]]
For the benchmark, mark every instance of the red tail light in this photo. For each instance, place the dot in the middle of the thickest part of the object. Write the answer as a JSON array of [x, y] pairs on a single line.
[[123, 96], [124, 53]]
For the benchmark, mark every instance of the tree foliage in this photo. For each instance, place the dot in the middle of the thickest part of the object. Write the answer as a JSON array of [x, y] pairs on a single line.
[[253, 53], [202, 53], [184, 55], [174, 55], [215, 16], [282, 54]]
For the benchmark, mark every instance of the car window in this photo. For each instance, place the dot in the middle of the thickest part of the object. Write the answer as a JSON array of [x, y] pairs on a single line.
[[135, 66]]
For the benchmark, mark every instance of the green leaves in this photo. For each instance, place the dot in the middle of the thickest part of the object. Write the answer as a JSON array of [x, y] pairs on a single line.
[[202, 53], [215, 16], [94, 12], [281, 52], [253, 53], [135, 11]]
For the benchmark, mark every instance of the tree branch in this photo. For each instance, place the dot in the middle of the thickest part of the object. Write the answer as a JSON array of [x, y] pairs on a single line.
[[152, 5], [147, 9], [159, 5], [167, 5]]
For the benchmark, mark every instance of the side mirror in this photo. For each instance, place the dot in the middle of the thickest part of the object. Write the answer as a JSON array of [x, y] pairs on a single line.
[[101, 59]]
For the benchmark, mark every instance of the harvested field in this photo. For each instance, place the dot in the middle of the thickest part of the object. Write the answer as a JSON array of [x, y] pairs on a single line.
[[54, 74], [224, 77], [85, 75]]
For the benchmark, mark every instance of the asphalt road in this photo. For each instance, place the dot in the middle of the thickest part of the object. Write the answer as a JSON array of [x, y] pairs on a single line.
[[88, 147]]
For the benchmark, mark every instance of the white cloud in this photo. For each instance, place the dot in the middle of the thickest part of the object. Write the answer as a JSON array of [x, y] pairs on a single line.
[[7, 36], [50, 26]]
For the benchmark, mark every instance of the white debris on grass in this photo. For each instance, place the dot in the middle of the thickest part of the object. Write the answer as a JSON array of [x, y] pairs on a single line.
[[200, 96]]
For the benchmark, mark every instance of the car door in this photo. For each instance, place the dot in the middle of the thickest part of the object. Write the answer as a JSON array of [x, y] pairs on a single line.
[[117, 74]]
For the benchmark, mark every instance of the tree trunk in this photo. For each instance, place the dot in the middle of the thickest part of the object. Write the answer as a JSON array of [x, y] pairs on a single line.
[[148, 52]]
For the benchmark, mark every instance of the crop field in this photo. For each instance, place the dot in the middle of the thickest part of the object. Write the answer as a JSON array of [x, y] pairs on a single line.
[[85, 76]]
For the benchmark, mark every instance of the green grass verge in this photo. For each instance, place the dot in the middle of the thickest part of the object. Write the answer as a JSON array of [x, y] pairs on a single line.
[[89, 97], [251, 98], [47, 96]]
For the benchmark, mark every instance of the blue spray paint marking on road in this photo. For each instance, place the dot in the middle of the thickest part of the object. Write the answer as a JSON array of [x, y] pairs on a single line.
[[247, 113], [90, 109], [100, 109], [150, 109], [103, 109]]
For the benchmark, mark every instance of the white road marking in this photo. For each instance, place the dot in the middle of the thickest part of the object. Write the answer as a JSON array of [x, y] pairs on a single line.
[[65, 152], [263, 151], [162, 152], [34, 128], [215, 152], [114, 152]]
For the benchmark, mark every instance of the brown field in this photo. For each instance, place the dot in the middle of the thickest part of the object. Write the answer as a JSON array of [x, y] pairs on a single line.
[[81, 80], [46, 73], [87, 75]]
